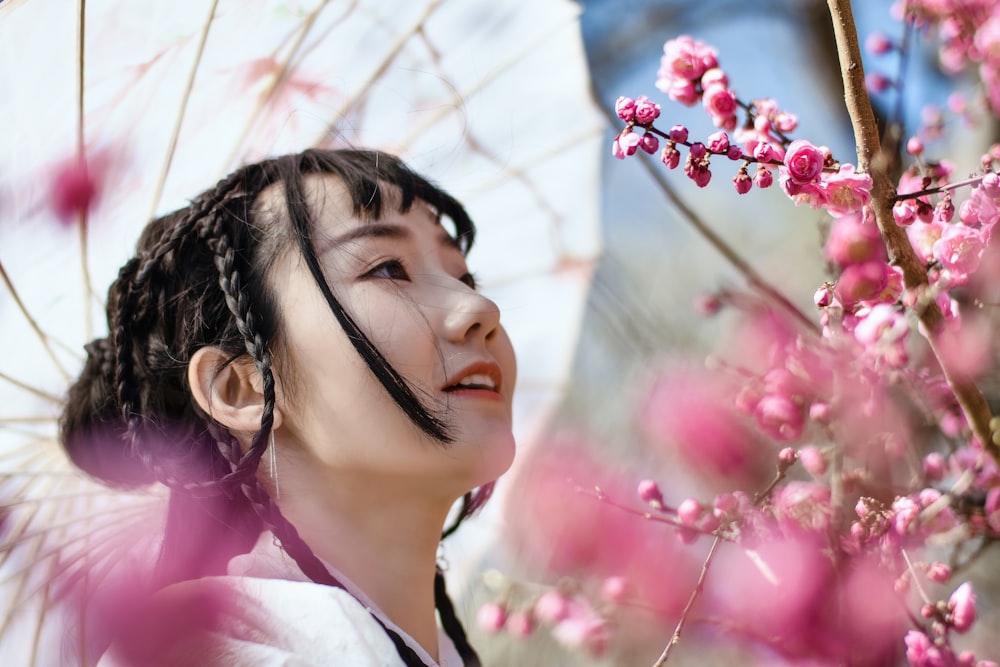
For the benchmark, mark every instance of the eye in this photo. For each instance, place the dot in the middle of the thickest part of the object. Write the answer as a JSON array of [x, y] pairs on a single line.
[[392, 269]]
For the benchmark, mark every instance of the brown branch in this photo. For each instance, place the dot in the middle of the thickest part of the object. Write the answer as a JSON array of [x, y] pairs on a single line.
[[901, 253]]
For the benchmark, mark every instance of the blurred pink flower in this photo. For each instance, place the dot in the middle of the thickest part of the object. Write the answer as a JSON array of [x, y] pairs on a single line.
[[962, 604], [491, 617], [853, 241], [687, 411]]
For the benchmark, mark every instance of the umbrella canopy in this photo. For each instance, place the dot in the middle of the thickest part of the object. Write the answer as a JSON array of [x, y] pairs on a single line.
[[135, 107]]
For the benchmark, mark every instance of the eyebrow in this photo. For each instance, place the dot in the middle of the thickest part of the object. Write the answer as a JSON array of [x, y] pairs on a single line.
[[387, 230]]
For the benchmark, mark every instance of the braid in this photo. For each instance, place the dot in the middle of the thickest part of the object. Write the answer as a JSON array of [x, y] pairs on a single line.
[[244, 467], [453, 626]]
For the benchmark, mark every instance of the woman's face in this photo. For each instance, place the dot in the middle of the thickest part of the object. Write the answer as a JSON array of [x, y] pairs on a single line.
[[406, 283]]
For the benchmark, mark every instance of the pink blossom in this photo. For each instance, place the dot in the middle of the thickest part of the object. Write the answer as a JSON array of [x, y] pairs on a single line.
[[803, 161], [649, 492], [678, 133], [491, 617], [938, 572], [734, 153], [720, 103], [923, 236], [785, 121], [718, 142], [614, 589], [688, 512], [905, 512], [944, 211], [790, 574], [882, 325], [876, 82], [763, 178], [625, 144], [853, 241], [649, 143], [589, 633], [787, 456], [878, 43], [922, 652], [934, 467], [688, 412], [904, 212], [646, 111], [958, 249], [859, 282], [846, 191], [914, 146], [551, 607], [811, 193], [76, 187], [764, 152], [670, 156], [625, 108], [682, 91], [780, 417], [714, 77], [684, 60], [962, 604], [520, 624], [698, 150], [697, 170], [812, 460], [742, 182]]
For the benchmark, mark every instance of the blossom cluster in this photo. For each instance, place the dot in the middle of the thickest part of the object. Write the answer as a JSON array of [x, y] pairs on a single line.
[[689, 72], [836, 404], [568, 616]]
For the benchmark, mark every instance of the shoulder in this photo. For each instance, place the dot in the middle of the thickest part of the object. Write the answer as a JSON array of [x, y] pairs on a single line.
[[235, 620]]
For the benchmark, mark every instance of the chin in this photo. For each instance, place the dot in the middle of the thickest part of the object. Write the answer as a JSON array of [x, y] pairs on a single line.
[[496, 455]]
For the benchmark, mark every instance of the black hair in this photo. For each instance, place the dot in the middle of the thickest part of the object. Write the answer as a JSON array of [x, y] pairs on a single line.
[[198, 279]]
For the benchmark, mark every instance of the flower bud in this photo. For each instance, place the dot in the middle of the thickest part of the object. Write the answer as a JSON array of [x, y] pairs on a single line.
[[491, 617], [938, 573], [963, 608], [551, 607], [625, 108], [678, 133], [649, 492]]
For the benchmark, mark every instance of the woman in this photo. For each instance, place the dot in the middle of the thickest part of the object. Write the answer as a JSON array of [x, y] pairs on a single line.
[[302, 358]]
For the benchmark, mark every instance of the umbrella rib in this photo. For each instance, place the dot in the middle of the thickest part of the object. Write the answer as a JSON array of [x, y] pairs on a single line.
[[27, 387], [378, 72], [512, 60], [279, 80], [185, 99], [42, 336], [82, 216]]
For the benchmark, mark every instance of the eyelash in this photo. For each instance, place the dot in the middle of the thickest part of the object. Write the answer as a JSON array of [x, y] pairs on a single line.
[[394, 265]]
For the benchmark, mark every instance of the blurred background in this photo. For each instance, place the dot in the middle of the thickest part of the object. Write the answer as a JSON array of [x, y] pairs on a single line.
[[642, 317]]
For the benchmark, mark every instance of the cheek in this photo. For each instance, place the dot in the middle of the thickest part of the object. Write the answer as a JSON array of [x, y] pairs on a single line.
[[508, 362]]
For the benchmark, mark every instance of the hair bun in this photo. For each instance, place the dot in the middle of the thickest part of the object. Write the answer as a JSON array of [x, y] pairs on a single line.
[[91, 428]]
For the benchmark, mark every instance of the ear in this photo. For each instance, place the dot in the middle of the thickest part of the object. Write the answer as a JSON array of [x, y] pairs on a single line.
[[230, 393]]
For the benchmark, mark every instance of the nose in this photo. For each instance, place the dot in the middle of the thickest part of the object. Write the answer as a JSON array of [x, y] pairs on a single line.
[[469, 315]]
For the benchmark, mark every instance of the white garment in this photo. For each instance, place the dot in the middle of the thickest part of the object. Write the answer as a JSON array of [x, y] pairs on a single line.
[[266, 613]]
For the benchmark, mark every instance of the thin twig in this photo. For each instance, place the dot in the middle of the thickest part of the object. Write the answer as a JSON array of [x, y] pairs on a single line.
[[699, 587], [729, 253], [901, 253]]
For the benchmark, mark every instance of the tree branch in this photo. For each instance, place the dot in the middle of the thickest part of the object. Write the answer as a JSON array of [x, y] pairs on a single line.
[[901, 253]]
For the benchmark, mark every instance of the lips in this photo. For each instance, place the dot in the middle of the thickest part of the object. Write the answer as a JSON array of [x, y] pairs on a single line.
[[480, 376]]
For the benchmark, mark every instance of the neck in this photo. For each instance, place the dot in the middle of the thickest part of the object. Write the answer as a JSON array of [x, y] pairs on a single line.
[[387, 546]]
